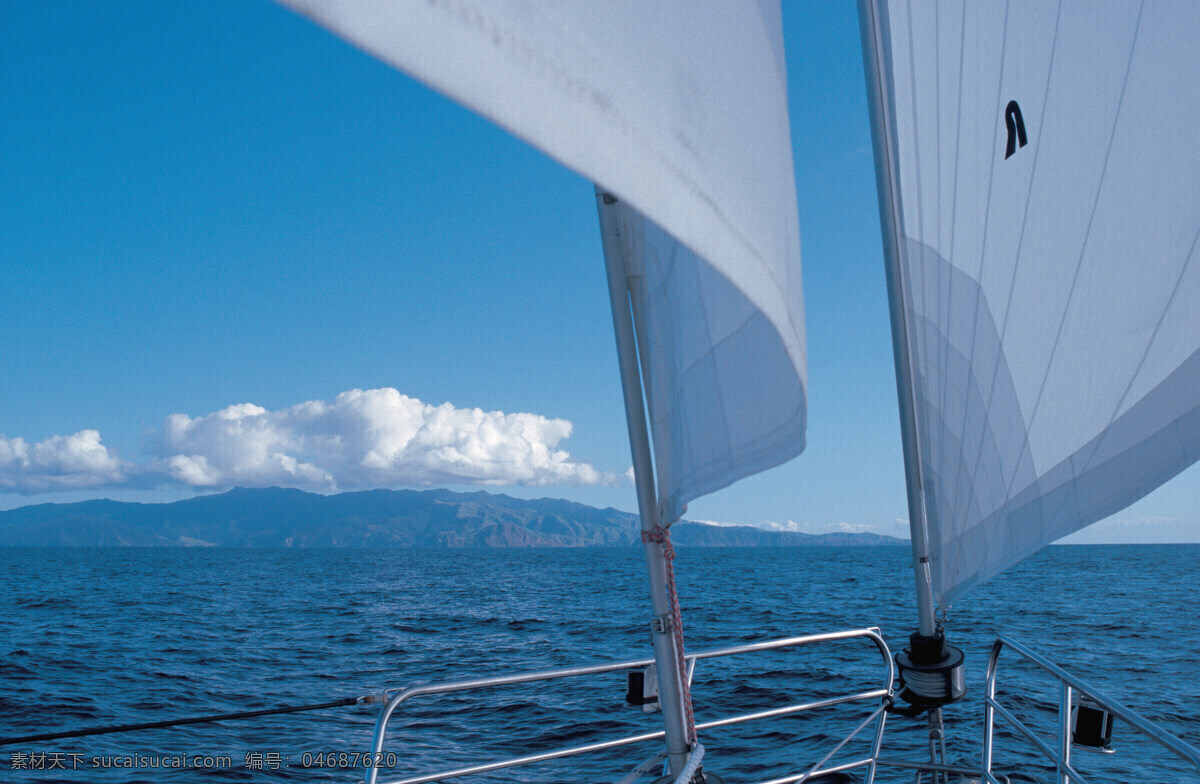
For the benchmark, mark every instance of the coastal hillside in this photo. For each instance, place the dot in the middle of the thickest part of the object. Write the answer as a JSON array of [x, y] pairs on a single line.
[[278, 517]]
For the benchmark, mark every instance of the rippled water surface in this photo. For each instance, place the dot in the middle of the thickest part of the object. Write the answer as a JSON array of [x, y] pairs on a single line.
[[92, 637]]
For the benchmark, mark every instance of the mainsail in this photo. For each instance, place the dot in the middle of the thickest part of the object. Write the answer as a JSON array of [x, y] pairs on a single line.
[[1046, 179], [683, 117]]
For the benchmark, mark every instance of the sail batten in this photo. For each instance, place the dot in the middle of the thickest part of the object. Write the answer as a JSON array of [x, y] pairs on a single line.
[[1049, 203]]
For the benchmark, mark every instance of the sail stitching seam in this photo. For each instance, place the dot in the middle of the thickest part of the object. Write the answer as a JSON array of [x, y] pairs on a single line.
[[1141, 362], [1012, 284], [987, 214], [1113, 505], [1086, 236], [962, 46], [916, 151]]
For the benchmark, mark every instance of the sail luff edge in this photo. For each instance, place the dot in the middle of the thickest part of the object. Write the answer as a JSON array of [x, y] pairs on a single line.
[[882, 136]]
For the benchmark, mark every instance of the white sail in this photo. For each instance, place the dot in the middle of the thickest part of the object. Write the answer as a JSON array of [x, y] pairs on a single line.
[[1048, 178], [682, 115]]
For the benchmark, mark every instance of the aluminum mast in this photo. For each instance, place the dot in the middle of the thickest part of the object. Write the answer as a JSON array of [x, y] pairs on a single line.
[[666, 657], [882, 137]]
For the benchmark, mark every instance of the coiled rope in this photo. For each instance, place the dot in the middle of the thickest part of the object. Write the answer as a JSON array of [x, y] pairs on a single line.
[[662, 536]]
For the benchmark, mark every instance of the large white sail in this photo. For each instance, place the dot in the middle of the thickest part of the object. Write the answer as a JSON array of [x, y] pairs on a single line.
[[682, 115], [1047, 172]]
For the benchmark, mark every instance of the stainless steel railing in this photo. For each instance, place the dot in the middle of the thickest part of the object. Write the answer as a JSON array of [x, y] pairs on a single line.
[[396, 697], [1068, 686]]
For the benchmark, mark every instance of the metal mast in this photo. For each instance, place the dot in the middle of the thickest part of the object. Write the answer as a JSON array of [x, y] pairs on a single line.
[[883, 141], [928, 655], [666, 657]]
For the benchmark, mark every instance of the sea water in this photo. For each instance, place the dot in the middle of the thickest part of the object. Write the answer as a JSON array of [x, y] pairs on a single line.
[[96, 637]]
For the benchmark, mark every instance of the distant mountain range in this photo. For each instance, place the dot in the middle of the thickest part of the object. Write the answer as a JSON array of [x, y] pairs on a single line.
[[278, 517]]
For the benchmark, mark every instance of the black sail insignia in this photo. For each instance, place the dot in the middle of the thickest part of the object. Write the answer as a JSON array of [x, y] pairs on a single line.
[[1016, 128]]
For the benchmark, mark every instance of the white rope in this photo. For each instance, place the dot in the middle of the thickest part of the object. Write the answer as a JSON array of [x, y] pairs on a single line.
[[693, 765]]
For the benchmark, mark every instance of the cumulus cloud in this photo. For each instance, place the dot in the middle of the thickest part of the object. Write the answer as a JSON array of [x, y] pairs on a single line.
[[897, 528], [59, 463], [368, 438], [361, 439]]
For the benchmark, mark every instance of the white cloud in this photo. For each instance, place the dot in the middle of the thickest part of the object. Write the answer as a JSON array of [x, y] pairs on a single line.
[[59, 463], [899, 528], [721, 523], [362, 439], [368, 438]]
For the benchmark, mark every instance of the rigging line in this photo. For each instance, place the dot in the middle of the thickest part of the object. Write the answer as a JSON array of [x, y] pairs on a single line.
[[1086, 236], [1012, 284], [1129, 387], [987, 214], [153, 725]]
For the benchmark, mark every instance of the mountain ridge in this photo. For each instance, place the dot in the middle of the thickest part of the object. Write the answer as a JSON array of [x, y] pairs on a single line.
[[288, 517]]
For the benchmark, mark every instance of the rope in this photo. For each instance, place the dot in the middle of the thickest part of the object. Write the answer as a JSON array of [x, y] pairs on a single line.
[[693, 765], [662, 536], [177, 722]]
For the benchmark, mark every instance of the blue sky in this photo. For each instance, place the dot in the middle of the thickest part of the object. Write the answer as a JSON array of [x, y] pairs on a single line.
[[213, 206]]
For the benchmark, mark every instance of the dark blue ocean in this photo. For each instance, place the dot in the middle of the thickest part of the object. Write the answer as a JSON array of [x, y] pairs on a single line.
[[92, 637]]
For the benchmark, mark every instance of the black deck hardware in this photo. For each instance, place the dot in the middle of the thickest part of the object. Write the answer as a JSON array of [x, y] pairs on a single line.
[[931, 672]]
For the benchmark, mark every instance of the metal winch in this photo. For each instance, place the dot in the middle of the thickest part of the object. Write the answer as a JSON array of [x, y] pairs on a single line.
[[932, 673]]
